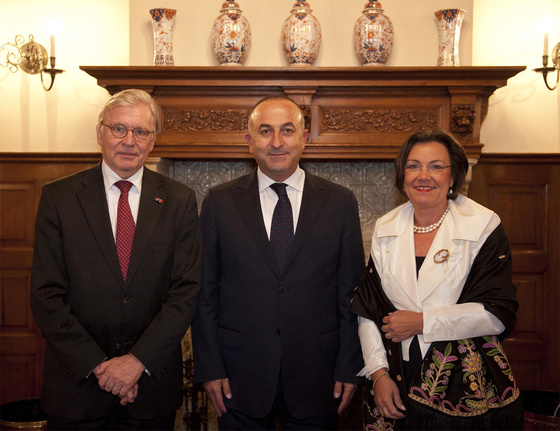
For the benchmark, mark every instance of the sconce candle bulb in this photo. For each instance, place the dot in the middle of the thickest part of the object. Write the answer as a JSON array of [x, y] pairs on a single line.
[[53, 54], [555, 57]]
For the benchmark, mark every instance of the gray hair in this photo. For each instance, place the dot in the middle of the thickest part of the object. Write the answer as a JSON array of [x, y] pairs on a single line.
[[133, 97]]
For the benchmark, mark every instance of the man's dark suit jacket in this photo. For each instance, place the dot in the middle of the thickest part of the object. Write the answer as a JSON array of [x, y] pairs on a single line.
[[254, 322], [85, 310]]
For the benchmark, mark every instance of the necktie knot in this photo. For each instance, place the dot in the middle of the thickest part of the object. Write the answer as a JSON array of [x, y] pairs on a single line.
[[279, 188], [124, 186]]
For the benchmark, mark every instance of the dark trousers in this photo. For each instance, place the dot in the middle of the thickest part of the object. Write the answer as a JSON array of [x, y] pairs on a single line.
[[118, 420], [278, 418]]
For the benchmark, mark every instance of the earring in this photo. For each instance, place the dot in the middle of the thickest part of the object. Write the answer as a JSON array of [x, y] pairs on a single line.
[[450, 192]]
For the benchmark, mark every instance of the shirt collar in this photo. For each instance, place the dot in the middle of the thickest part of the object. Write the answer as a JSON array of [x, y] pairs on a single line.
[[296, 180], [110, 177], [467, 219]]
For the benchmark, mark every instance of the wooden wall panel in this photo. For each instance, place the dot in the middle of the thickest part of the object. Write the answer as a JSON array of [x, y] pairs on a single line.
[[21, 343], [524, 191]]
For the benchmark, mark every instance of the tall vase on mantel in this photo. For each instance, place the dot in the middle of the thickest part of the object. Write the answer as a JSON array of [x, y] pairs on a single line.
[[301, 36], [449, 23], [162, 25], [373, 35], [231, 36]]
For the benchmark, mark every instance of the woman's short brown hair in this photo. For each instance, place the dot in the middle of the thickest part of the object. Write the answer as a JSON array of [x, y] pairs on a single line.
[[459, 162]]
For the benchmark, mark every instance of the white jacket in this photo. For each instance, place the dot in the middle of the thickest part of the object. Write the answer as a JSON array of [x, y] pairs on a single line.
[[436, 290]]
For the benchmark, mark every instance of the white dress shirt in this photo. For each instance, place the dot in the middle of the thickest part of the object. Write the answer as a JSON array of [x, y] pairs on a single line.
[[113, 193], [269, 198]]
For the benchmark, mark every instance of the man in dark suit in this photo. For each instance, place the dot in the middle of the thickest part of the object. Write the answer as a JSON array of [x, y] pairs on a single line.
[[115, 281], [272, 336]]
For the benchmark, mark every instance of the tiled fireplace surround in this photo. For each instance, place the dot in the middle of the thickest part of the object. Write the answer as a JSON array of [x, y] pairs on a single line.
[[371, 182]]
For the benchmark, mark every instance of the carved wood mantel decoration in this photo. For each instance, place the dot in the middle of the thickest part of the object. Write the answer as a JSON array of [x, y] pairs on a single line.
[[351, 113]]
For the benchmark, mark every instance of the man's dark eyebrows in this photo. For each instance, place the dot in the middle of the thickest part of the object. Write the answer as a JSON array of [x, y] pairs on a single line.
[[268, 126]]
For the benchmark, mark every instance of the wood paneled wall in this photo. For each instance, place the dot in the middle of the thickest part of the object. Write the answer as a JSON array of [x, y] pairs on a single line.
[[523, 189], [21, 344]]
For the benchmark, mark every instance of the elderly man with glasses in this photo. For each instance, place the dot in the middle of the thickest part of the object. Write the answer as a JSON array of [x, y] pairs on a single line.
[[115, 281]]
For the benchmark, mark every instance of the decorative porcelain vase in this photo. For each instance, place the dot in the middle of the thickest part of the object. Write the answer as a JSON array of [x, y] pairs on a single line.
[[301, 36], [162, 25], [373, 35], [231, 36], [449, 23]]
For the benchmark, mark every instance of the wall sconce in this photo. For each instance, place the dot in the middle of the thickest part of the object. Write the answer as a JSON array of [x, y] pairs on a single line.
[[30, 56], [555, 57]]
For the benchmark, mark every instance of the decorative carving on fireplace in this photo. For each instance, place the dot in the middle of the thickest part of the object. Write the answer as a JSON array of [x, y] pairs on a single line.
[[189, 120], [462, 119], [379, 120], [351, 113]]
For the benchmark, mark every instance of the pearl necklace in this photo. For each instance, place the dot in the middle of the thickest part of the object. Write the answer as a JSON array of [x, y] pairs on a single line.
[[432, 227]]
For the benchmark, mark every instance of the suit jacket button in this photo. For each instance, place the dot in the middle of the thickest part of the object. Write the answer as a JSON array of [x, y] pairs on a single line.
[[282, 289], [278, 331], [125, 301], [118, 345]]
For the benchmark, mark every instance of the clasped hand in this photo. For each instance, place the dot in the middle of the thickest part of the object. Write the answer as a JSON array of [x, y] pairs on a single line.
[[402, 324], [120, 377]]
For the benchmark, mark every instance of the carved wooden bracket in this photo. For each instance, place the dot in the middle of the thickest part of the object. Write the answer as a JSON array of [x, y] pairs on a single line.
[[351, 113]]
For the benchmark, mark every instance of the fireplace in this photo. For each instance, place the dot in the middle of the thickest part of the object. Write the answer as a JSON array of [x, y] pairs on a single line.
[[357, 119]]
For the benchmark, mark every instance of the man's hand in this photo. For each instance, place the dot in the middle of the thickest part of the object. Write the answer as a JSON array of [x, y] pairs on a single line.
[[214, 389], [120, 375], [130, 395], [347, 391]]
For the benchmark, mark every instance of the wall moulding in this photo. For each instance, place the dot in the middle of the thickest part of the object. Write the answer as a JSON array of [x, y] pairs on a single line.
[[351, 113]]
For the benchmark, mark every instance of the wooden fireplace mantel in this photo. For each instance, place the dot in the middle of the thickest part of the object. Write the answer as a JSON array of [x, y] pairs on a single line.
[[351, 112]]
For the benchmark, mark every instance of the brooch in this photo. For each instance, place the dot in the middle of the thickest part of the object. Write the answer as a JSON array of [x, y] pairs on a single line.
[[441, 256], [158, 200]]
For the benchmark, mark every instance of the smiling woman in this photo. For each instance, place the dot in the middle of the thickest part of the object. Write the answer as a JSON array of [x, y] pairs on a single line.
[[427, 181], [431, 317]]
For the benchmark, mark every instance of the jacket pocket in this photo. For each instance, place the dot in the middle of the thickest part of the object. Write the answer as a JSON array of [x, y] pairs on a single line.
[[329, 340], [229, 337]]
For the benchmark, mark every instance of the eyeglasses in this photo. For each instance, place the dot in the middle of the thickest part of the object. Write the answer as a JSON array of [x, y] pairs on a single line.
[[434, 168], [119, 131]]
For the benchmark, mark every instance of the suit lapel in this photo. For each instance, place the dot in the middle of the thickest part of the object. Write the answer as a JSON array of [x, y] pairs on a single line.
[[402, 246], [247, 201], [431, 274], [312, 203], [152, 202], [248, 204], [93, 200]]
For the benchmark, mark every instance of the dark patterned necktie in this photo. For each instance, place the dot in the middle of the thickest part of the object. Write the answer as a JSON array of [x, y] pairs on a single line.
[[125, 227], [282, 229]]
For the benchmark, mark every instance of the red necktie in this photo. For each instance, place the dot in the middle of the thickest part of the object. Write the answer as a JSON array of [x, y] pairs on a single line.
[[282, 228], [125, 227]]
